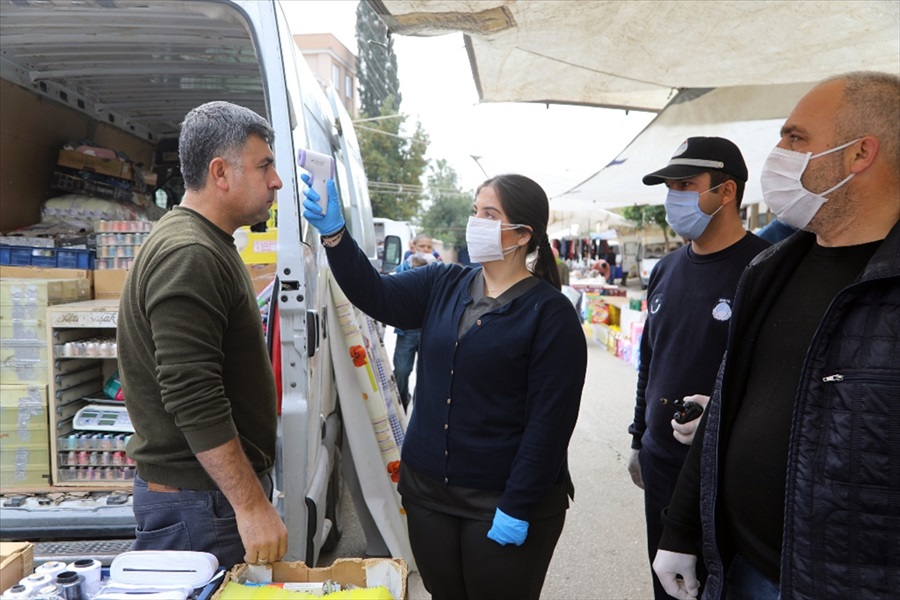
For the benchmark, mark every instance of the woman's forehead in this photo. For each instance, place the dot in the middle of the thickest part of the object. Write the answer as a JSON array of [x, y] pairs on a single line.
[[487, 199]]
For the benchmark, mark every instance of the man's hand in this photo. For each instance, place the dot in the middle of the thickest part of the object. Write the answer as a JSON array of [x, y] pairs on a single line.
[[677, 573], [333, 219], [684, 432], [634, 468], [262, 532]]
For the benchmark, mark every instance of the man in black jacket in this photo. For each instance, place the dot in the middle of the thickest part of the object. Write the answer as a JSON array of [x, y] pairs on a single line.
[[795, 490]]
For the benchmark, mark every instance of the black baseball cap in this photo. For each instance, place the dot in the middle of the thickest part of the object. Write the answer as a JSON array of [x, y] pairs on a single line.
[[698, 155]]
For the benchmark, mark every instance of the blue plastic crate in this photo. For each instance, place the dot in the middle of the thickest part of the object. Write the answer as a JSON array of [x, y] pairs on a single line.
[[53, 258], [69, 258], [20, 256]]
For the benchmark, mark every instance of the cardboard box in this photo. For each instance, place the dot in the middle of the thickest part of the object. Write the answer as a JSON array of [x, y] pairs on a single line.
[[261, 276], [104, 166], [369, 572], [47, 273], [257, 248], [108, 283], [16, 562]]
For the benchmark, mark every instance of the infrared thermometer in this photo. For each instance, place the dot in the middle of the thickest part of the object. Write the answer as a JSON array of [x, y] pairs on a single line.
[[320, 168]]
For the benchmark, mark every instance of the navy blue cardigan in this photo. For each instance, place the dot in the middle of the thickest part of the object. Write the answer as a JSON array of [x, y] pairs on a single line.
[[495, 409]]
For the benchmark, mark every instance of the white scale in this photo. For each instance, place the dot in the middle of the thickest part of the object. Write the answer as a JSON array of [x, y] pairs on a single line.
[[95, 417]]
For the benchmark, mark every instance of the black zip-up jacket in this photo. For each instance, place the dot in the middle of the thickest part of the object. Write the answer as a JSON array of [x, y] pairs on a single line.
[[842, 496]]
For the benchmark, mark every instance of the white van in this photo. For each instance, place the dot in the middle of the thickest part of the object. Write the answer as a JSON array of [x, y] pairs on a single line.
[[124, 74], [384, 229], [648, 254]]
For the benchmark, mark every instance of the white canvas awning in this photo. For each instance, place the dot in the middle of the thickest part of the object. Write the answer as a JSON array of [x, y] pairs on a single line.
[[751, 117], [727, 68], [576, 217], [638, 54]]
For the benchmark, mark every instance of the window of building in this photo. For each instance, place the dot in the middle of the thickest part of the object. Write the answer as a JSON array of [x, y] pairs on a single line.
[[336, 75], [348, 86]]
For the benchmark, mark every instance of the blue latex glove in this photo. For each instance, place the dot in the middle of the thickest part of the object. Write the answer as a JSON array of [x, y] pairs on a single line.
[[333, 220], [508, 530]]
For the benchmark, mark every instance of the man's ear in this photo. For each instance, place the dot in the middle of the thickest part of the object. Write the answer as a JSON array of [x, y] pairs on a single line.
[[729, 192], [864, 153], [219, 172]]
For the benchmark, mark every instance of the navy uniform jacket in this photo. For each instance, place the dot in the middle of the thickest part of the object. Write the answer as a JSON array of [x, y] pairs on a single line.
[[495, 409]]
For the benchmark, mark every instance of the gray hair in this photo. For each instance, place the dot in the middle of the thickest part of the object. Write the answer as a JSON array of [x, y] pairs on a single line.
[[216, 129], [871, 106]]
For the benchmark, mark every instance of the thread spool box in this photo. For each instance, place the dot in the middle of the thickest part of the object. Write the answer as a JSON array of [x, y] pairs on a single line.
[[369, 572]]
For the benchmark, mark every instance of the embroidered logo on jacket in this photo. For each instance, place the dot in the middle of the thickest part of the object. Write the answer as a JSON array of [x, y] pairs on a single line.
[[722, 310], [655, 303]]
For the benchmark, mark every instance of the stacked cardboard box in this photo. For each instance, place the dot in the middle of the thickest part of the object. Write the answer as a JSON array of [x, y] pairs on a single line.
[[25, 365]]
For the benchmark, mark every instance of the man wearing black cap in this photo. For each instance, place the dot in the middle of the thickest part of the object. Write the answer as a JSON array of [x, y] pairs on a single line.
[[689, 308]]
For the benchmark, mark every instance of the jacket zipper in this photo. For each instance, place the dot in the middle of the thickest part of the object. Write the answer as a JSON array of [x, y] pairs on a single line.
[[838, 378]]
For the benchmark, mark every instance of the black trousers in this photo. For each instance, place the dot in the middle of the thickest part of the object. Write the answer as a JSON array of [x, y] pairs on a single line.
[[660, 479], [457, 561]]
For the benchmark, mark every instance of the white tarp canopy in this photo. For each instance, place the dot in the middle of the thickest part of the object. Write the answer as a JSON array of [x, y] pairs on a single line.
[[757, 57], [638, 54], [749, 116], [578, 218]]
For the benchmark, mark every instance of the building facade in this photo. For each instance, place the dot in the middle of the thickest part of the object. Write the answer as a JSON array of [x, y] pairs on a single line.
[[333, 64]]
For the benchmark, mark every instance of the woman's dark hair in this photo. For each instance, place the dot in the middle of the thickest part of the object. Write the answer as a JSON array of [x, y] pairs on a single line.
[[526, 203]]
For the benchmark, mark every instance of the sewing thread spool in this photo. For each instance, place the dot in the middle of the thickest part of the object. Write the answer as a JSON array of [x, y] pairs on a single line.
[[52, 568], [36, 580], [72, 585], [90, 569], [15, 592]]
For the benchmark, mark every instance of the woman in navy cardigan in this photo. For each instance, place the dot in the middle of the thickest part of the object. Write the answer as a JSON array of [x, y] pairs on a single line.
[[483, 477]]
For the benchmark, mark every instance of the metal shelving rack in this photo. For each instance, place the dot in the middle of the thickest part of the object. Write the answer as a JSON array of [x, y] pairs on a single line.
[[82, 344]]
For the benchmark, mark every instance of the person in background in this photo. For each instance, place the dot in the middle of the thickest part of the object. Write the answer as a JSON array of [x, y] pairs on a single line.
[[689, 299], [775, 231], [422, 244], [615, 272], [407, 344], [483, 473], [196, 374], [793, 492]]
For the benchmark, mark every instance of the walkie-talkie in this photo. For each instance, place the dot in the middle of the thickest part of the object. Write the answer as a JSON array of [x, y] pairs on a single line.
[[684, 411]]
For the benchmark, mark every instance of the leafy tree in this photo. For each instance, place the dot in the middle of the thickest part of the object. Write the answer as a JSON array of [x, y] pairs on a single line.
[[394, 164], [450, 206], [377, 66], [645, 215]]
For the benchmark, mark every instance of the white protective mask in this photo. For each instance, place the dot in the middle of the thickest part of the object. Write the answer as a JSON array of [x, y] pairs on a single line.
[[483, 239], [784, 192]]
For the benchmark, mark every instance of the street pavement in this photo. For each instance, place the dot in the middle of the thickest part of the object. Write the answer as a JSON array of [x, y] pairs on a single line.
[[602, 552]]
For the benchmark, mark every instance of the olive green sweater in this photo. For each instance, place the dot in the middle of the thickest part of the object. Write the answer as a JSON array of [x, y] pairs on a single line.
[[192, 356]]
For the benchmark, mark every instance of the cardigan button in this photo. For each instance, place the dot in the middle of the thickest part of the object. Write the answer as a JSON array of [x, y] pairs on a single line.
[[446, 426], [448, 400], [478, 322], [446, 480], [446, 453]]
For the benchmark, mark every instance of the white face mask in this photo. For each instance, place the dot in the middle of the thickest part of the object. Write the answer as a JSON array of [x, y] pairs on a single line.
[[483, 239], [784, 192]]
